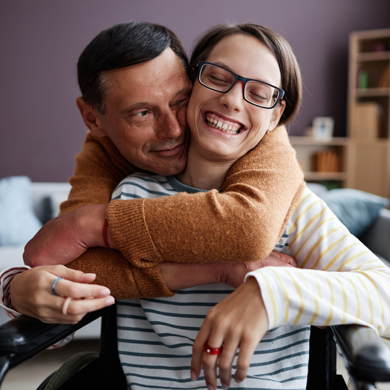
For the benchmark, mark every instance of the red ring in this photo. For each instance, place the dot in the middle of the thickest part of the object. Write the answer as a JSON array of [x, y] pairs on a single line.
[[212, 351]]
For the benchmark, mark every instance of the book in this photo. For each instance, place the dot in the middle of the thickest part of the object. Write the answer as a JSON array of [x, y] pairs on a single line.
[[365, 121], [327, 161], [384, 81]]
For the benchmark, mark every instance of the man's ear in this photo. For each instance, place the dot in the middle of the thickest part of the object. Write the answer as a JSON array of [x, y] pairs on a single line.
[[91, 117], [277, 113]]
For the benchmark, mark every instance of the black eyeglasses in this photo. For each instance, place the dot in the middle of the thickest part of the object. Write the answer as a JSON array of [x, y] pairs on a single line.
[[222, 80]]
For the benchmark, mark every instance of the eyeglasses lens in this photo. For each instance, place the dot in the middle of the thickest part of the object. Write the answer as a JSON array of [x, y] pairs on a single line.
[[221, 80], [216, 78]]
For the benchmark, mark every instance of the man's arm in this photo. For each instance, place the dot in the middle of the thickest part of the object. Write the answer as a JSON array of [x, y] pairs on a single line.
[[179, 276], [99, 169], [243, 223]]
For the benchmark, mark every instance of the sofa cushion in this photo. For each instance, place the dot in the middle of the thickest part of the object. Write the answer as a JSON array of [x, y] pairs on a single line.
[[357, 210], [18, 222]]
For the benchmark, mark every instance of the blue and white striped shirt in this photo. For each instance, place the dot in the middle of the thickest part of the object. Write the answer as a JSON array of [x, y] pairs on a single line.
[[155, 336]]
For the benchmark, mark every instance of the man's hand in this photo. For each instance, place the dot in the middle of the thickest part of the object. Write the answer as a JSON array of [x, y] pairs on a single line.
[[234, 274], [178, 276], [64, 239]]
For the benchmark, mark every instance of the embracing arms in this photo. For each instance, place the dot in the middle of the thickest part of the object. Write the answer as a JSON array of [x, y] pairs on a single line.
[[245, 220]]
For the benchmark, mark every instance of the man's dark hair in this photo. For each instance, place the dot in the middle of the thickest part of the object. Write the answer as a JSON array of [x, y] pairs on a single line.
[[122, 45]]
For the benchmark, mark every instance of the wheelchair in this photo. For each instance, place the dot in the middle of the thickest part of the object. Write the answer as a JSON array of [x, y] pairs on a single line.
[[365, 355]]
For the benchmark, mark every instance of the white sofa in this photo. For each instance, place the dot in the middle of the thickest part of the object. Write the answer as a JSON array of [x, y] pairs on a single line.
[[46, 198]]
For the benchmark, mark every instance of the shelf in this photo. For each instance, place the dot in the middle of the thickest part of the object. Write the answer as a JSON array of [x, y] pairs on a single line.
[[320, 176], [372, 92], [302, 141], [374, 56]]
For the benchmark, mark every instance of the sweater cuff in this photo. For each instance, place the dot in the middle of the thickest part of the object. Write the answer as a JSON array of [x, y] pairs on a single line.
[[126, 221]]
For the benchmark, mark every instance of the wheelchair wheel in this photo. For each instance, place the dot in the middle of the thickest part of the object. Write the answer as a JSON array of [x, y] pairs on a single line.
[[69, 368]]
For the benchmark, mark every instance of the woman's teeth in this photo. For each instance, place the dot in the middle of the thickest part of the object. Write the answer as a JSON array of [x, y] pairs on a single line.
[[230, 128]]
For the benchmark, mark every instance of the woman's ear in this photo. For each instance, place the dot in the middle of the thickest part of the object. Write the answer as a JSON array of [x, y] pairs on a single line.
[[91, 117], [277, 113]]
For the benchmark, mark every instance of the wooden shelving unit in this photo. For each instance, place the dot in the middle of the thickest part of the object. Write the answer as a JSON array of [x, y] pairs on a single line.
[[364, 155], [368, 127]]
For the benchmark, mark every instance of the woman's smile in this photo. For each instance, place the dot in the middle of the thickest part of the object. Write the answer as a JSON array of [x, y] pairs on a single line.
[[221, 123]]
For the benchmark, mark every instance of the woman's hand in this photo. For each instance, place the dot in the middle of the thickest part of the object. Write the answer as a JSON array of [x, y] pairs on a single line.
[[31, 294], [237, 322]]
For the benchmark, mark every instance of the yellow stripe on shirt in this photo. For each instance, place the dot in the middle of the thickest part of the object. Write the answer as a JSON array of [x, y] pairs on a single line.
[[307, 239], [285, 294], [298, 235], [326, 251], [302, 214]]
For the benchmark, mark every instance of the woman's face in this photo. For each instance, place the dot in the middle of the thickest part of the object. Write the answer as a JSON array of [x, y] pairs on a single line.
[[246, 123]]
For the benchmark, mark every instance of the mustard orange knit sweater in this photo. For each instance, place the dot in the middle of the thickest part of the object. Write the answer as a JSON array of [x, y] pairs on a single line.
[[242, 223]]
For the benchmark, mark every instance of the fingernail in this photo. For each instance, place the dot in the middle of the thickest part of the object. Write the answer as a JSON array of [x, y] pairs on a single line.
[[193, 375], [110, 301], [210, 387], [104, 292], [224, 385], [90, 273]]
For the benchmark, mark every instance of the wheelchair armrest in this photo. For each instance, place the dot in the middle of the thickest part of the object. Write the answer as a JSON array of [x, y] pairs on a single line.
[[24, 337], [365, 355], [26, 334]]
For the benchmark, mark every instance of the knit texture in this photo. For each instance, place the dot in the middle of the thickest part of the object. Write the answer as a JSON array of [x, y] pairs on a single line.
[[243, 223]]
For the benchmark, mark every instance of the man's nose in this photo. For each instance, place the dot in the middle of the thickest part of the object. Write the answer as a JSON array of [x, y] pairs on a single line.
[[168, 126], [234, 99]]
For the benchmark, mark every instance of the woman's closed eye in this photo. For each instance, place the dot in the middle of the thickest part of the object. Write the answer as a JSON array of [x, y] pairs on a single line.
[[219, 80], [258, 97], [258, 92]]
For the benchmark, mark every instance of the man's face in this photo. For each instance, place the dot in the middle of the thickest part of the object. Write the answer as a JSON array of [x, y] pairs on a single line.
[[145, 113]]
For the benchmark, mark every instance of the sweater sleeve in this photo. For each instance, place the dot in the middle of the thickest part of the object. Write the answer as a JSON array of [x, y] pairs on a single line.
[[99, 169], [242, 223], [354, 290]]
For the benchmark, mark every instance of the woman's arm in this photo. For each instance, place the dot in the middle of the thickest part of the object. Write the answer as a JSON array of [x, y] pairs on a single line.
[[355, 290]]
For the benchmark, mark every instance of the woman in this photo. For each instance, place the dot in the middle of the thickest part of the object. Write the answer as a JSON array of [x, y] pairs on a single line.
[[240, 75]]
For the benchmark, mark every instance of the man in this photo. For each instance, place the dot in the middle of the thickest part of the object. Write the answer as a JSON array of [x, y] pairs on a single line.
[[134, 95]]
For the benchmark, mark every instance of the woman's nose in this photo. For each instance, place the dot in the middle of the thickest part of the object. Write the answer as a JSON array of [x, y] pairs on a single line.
[[234, 99]]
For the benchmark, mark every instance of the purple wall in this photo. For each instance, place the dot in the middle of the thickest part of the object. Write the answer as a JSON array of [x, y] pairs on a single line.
[[40, 41]]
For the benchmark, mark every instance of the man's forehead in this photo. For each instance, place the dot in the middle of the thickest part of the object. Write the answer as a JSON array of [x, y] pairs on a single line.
[[162, 69]]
